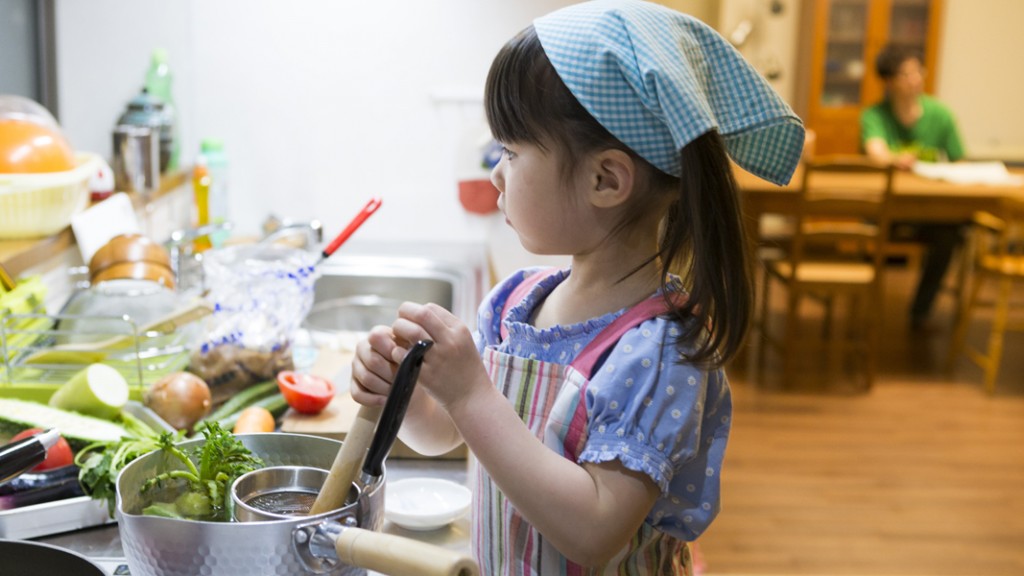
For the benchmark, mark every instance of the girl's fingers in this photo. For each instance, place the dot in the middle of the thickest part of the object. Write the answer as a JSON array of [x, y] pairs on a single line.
[[448, 319], [372, 371], [424, 316]]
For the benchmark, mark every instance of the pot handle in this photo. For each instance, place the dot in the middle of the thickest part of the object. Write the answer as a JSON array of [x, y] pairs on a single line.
[[399, 556], [348, 461]]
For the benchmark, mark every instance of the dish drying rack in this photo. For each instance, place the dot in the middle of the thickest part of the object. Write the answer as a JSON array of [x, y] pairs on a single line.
[[142, 359]]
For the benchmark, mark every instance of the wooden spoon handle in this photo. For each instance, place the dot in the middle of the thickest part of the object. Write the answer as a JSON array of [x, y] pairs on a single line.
[[400, 556], [348, 461]]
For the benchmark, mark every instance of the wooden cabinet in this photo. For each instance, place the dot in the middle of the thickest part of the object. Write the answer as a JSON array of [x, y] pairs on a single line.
[[840, 40]]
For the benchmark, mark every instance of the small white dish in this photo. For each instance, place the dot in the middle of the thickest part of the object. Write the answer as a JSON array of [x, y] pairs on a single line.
[[425, 503]]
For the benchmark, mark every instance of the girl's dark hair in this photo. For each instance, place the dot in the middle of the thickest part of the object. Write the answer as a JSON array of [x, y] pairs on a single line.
[[702, 233]]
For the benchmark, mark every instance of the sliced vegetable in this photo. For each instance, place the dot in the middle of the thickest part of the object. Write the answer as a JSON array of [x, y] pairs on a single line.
[[255, 419], [97, 390], [305, 393], [180, 398], [58, 456], [77, 429]]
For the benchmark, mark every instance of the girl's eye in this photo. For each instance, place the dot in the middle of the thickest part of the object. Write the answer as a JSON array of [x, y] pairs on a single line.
[[508, 153]]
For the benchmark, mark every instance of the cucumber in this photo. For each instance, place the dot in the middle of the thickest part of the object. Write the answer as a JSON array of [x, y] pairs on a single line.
[[97, 390], [243, 399], [78, 430]]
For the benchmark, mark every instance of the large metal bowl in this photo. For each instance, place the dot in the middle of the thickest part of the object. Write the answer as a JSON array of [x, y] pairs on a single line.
[[157, 546]]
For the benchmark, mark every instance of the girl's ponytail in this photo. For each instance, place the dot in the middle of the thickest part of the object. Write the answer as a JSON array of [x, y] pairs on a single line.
[[704, 235]]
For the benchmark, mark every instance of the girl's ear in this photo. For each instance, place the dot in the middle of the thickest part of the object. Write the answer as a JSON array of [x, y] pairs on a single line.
[[613, 177]]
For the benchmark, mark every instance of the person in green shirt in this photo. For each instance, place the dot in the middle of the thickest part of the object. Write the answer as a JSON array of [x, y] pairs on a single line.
[[906, 127]]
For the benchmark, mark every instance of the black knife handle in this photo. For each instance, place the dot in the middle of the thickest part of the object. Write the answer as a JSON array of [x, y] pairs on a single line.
[[394, 409]]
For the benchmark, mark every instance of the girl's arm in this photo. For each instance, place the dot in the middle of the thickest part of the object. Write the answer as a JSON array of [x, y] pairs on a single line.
[[426, 428], [587, 512]]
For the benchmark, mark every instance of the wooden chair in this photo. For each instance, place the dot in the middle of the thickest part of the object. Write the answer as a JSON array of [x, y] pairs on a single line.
[[837, 254], [997, 245]]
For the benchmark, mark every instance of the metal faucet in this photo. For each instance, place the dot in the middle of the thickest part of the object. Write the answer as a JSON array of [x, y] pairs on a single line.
[[275, 229], [186, 264]]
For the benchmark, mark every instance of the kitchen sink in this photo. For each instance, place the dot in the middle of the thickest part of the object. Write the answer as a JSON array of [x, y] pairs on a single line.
[[356, 292]]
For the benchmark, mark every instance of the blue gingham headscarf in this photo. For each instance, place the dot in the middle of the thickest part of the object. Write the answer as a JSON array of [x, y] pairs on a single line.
[[657, 79]]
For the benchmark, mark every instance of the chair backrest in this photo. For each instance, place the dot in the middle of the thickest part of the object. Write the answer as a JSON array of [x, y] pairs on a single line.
[[1001, 234], [843, 213]]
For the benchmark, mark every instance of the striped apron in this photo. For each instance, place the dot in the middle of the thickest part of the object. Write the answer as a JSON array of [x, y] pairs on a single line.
[[550, 399]]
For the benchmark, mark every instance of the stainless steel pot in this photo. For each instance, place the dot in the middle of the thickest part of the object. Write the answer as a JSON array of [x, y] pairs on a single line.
[[283, 491], [157, 546]]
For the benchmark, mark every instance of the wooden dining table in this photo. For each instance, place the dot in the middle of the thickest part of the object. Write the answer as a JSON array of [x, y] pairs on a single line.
[[915, 198]]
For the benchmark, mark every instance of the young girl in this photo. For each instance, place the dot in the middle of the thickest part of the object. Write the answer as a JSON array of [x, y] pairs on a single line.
[[600, 412]]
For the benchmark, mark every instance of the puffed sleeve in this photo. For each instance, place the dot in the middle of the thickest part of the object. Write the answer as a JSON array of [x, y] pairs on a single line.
[[662, 417]]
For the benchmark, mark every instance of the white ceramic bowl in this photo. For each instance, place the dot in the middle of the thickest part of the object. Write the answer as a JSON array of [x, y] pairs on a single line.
[[425, 503]]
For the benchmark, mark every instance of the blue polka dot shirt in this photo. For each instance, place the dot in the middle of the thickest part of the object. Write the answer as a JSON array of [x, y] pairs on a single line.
[[646, 408]]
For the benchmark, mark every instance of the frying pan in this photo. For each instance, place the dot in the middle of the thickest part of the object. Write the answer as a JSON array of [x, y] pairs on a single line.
[[24, 558]]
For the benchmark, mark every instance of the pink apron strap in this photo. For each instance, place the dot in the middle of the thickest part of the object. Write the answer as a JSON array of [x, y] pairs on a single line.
[[520, 292], [608, 337]]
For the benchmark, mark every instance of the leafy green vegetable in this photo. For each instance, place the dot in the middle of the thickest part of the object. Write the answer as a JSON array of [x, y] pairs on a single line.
[[101, 462], [221, 459]]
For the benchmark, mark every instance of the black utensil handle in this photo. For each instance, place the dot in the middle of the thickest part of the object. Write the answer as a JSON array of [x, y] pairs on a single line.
[[394, 409], [17, 457]]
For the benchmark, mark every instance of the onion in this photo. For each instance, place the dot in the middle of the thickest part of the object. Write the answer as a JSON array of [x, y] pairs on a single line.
[[181, 398]]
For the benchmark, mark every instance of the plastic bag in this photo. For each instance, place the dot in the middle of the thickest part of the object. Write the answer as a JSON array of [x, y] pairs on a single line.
[[261, 294]]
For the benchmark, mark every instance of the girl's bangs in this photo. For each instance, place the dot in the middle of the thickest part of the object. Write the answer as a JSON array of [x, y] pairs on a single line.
[[512, 96]]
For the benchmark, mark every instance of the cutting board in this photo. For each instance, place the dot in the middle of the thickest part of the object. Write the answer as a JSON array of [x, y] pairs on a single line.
[[336, 419]]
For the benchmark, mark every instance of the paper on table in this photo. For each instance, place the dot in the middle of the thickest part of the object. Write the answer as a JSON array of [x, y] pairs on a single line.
[[994, 173]]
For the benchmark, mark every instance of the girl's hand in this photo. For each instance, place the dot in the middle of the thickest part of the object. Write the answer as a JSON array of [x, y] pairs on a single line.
[[373, 370], [452, 368]]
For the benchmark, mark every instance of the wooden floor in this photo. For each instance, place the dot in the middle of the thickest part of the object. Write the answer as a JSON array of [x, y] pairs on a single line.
[[921, 475]]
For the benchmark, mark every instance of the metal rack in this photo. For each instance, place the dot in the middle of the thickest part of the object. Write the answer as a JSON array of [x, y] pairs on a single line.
[[142, 358]]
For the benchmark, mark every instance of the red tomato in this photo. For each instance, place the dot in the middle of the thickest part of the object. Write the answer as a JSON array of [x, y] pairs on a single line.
[[305, 393], [58, 456]]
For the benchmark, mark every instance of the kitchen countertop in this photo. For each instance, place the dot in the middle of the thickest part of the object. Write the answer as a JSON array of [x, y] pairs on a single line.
[[103, 543]]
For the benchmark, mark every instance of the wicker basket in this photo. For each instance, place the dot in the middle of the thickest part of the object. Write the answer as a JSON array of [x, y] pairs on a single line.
[[33, 205]]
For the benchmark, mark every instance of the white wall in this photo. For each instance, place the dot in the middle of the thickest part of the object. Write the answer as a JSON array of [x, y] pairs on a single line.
[[771, 45], [321, 104], [324, 104], [982, 77]]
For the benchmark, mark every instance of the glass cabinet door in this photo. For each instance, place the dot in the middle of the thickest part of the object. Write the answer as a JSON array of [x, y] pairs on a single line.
[[908, 25], [844, 52]]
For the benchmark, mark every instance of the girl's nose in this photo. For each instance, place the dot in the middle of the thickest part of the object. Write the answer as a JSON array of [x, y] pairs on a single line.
[[498, 176]]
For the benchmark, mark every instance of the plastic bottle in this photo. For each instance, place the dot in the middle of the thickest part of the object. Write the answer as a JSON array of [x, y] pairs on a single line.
[[216, 160], [201, 196], [158, 84]]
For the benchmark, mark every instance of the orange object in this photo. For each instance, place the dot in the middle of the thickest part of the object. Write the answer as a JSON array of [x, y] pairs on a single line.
[[201, 194], [254, 419], [478, 196], [27, 147]]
